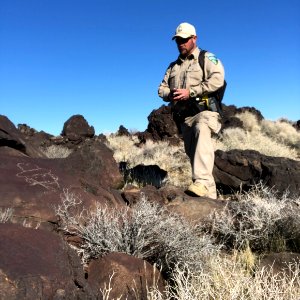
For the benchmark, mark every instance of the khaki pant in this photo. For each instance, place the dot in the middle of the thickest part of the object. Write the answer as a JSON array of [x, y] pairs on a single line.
[[200, 147]]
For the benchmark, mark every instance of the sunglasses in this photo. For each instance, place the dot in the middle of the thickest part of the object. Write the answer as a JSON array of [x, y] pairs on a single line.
[[180, 40]]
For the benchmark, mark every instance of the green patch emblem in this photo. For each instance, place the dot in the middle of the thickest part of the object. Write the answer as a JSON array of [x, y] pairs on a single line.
[[213, 59]]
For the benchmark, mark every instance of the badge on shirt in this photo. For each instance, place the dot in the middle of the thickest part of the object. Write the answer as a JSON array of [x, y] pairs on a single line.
[[213, 59]]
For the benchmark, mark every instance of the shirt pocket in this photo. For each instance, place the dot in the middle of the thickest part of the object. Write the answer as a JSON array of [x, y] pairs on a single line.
[[194, 75], [172, 80]]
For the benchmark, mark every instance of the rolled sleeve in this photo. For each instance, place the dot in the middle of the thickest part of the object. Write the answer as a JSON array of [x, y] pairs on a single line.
[[164, 89]]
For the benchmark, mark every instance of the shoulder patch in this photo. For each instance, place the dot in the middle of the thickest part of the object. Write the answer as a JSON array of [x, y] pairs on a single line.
[[213, 58]]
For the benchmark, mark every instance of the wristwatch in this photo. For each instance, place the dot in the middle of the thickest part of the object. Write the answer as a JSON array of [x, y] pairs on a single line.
[[193, 94]]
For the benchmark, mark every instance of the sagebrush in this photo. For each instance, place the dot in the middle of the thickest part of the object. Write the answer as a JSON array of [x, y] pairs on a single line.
[[193, 257], [259, 218], [225, 278], [146, 230], [5, 214], [56, 151]]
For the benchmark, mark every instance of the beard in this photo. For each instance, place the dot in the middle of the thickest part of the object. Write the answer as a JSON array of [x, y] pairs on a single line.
[[183, 51]]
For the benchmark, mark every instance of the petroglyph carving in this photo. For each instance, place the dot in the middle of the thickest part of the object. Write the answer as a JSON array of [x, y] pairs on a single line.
[[35, 175]]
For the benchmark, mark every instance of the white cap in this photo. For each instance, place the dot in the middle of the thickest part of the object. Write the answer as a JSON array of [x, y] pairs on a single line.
[[184, 30]]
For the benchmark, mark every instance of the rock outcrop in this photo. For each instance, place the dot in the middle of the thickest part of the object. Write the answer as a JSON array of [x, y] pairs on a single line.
[[38, 260], [77, 128], [237, 169], [233, 169], [38, 264], [161, 125], [11, 138], [129, 276]]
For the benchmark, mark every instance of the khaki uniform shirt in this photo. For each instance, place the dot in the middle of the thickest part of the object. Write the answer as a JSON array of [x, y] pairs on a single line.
[[187, 74]]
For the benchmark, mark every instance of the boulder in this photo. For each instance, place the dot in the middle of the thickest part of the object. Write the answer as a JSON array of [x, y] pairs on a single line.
[[133, 194], [229, 112], [244, 168], [37, 264], [122, 131], [297, 125], [8, 151], [279, 263], [76, 128], [193, 209], [175, 200], [161, 126], [129, 277], [144, 174], [11, 137], [33, 187], [95, 164], [37, 139], [196, 209]]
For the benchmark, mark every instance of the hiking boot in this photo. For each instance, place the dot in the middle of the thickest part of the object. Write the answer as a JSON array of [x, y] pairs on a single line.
[[198, 189]]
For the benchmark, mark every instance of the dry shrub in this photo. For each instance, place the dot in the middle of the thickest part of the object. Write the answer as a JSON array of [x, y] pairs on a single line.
[[261, 136], [226, 279], [282, 131], [196, 267], [146, 231], [259, 219], [237, 138], [169, 158], [250, 121], [5, 214], [124, 147], [56, 151]]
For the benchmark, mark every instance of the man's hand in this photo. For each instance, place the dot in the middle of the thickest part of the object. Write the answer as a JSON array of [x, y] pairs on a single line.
[[180, 95]]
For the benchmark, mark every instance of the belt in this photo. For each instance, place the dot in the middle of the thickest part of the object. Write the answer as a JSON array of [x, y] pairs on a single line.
[[201, 104]]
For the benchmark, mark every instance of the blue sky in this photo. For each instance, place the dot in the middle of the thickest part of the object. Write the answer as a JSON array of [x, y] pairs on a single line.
[[105, 59]]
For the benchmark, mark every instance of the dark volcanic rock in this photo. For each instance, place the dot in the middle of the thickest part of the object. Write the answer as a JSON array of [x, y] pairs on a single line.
[[77, 128], [35, 138], [34, 186], [8, 151], [11, 137], [122, 131], [229, 112], [279, 263], [132, 194], [26, 130], [95, 163], [37, 264], [161, 126], [130, 276], [175, 200], [144, 174], [237, 168], [195, 209]]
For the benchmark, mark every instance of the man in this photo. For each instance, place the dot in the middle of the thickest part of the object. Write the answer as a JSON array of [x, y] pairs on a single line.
[[186, 87]]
